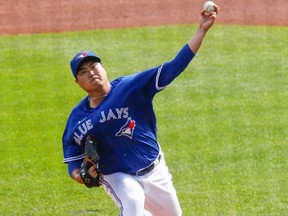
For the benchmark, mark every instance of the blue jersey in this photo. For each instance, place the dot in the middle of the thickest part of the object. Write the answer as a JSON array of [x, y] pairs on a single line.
[[124, 124]]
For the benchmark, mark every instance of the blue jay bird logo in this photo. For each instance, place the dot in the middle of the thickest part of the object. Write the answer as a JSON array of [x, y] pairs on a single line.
[[127, 129], [82, 55]]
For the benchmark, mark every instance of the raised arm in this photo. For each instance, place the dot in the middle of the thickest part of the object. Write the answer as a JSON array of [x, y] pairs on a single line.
[[177, 65], [206, 20]]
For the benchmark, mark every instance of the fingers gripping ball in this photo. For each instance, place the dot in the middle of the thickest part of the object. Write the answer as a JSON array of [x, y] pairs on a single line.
[[209, 6], [91, 162]]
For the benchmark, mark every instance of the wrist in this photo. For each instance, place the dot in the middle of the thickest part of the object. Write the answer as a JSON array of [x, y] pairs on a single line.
[[202, 31], [76, 176]]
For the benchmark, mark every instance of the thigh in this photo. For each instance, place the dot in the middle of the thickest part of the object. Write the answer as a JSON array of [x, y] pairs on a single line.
[[161, 197], [126, 192]]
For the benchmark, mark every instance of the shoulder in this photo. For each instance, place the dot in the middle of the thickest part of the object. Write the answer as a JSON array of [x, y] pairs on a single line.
[[138, 76], [81, 105], [77, 113], [79, 108]]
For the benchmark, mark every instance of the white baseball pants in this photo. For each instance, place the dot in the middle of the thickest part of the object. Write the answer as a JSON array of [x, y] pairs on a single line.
[[150, 194]]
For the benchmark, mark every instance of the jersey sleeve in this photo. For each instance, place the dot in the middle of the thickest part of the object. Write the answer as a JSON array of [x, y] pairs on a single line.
[[73, 154], [156, 79], [71, 150], [73, 157], [170, 70]]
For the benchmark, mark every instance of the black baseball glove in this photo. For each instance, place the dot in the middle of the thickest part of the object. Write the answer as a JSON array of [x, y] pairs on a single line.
[[91, 160]]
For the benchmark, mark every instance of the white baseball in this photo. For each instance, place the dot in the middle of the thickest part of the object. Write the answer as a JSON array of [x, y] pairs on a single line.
[[209, 6]]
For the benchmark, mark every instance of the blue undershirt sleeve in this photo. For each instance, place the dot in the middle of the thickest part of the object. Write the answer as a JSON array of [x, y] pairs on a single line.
[[170, 70], [72, 165]]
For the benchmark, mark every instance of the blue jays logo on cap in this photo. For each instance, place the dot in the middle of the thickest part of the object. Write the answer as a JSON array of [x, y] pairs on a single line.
[[81, 55], [79, 59]]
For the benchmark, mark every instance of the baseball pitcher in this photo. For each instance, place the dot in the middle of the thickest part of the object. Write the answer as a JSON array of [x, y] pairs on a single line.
[[110, 139]]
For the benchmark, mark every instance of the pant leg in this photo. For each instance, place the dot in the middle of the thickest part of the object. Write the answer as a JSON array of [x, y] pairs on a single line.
[[126, 192], [161, 197]]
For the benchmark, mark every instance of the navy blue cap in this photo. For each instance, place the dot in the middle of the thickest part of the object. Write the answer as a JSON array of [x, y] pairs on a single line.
[[79, 59]]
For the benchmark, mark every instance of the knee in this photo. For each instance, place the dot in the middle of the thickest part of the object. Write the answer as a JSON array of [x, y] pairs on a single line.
[[133, 204], [135, 199]]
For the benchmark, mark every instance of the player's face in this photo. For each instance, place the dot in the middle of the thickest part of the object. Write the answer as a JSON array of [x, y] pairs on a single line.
[[91, 75]]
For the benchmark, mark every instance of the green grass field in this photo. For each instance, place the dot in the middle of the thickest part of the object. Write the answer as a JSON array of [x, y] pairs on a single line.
[[222, 124]]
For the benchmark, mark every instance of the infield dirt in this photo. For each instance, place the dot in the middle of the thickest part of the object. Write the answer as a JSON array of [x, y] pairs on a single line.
[[34, 16]]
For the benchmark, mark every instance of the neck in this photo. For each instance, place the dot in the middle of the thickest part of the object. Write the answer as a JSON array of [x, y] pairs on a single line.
[[96, 100]]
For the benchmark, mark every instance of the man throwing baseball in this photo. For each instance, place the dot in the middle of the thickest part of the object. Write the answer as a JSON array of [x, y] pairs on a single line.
[[110, 137]]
